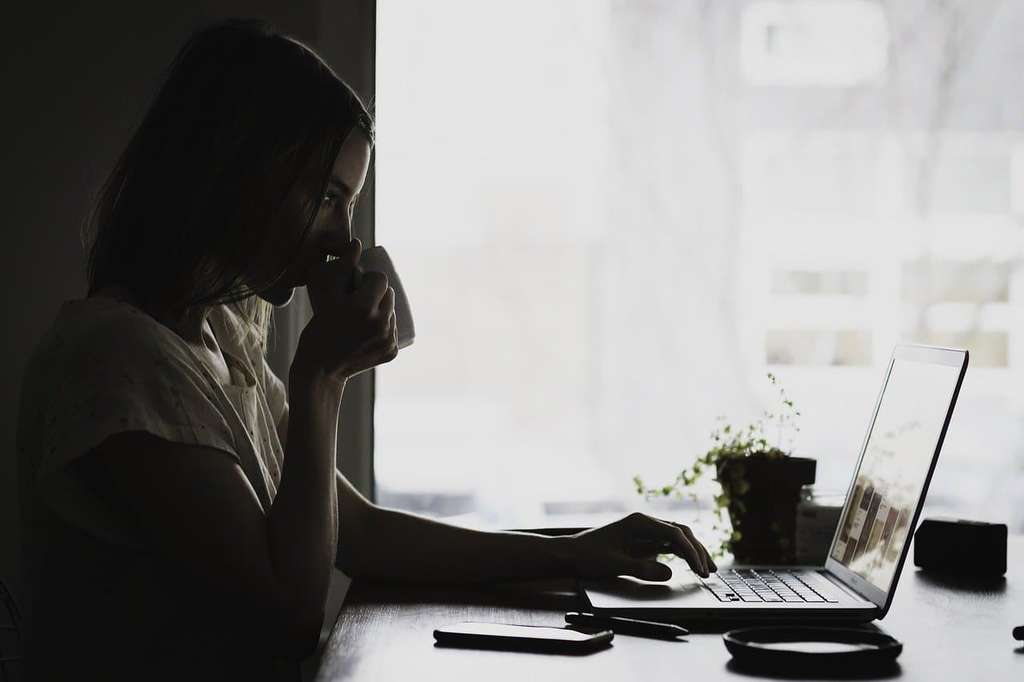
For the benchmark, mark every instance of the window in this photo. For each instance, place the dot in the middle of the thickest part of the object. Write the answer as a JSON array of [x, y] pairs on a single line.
[[614, 218], [813, 42]]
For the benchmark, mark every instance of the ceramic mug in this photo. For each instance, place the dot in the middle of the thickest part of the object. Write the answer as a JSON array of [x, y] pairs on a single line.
[[376, 259]]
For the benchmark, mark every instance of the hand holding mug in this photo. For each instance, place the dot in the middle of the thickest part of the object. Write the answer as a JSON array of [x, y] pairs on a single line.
[[354, 326]]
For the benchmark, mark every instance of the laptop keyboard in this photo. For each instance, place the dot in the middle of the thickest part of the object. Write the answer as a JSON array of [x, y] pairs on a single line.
[[764, 585]]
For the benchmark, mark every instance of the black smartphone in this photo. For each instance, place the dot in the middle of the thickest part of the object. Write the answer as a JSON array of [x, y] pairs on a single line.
[[521, 638]]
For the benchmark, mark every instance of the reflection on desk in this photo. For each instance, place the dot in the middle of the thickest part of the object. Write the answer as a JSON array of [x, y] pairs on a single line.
[[950, 629]]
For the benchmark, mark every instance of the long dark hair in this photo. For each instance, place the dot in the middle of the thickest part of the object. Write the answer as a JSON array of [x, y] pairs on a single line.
[[234, 152]]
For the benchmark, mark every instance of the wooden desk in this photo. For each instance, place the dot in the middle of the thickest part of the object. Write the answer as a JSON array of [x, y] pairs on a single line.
[[949, 632]]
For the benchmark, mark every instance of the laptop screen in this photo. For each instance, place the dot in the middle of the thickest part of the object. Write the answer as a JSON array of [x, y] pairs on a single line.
[[897, 455]]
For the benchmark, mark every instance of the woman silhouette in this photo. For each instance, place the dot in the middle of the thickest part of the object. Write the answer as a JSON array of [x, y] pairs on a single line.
[[182, 514]]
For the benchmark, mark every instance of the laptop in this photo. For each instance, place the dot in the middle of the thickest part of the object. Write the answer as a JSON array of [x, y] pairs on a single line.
[[884, 500]]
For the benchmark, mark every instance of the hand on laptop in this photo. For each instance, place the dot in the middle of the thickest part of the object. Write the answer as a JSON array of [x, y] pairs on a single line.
[[630, 546]]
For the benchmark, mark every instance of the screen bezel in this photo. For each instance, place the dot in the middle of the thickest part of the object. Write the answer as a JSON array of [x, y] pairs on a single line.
[[950, 357]]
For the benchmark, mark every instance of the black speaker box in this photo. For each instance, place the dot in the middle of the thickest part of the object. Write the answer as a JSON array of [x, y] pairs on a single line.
[[958, 547]]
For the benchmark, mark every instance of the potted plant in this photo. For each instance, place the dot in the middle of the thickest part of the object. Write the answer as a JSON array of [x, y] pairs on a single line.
[[760, 485]]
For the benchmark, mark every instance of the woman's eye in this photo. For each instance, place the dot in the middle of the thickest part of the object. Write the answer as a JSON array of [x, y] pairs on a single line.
[[329, 199]]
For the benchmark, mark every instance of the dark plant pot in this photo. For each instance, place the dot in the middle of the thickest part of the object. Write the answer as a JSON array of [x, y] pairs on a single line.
[[765, 512]]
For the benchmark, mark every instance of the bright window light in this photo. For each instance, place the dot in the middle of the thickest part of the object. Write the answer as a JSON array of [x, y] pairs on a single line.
[[611, 229], [814, 42]]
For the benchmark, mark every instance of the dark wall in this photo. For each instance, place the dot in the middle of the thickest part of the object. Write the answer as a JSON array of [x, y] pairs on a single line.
[[76, 80]]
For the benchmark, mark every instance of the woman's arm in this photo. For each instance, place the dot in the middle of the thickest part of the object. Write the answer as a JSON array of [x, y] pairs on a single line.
[[393, 545], [303, 521], [389, 544]]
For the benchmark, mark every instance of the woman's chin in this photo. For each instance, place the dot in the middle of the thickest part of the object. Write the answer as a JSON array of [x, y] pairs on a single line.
[[278, 296]]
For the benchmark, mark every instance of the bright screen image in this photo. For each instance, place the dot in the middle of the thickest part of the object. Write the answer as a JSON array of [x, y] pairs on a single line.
[[892, 473]]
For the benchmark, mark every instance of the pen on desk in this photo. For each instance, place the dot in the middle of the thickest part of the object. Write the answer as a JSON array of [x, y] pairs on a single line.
[[627, 626]]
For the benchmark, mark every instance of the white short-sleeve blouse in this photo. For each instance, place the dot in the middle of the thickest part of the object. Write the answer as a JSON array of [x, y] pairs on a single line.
[[100, 602]]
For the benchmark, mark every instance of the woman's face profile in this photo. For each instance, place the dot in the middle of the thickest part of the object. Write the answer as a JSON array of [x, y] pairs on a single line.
[[347, 177]]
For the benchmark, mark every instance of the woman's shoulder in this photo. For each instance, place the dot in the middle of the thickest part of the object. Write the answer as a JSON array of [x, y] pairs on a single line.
[[107, 323], [89, 349], [89, 333]]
